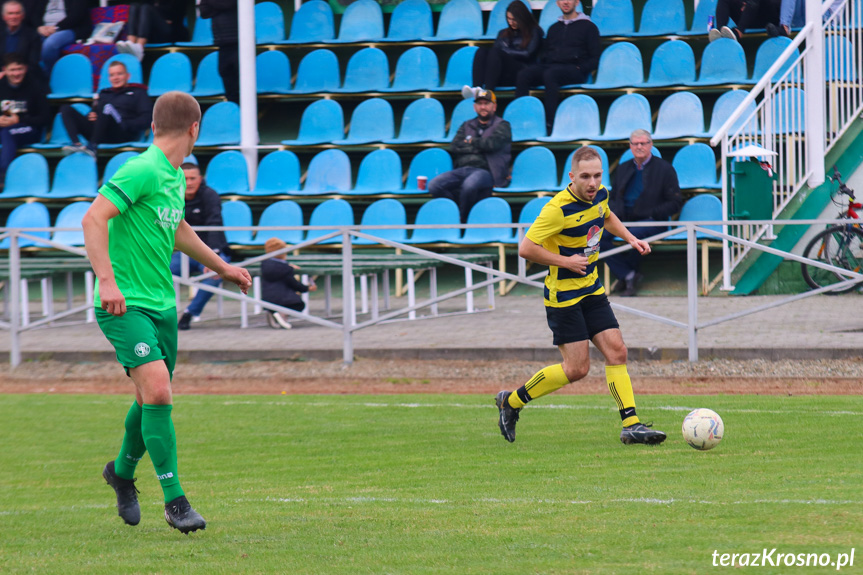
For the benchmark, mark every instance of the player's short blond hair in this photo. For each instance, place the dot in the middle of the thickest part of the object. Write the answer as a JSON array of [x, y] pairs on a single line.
[[174, 112], [582, 154]]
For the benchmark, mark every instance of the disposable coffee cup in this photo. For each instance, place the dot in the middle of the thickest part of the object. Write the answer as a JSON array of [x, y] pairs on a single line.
[[421, 182]]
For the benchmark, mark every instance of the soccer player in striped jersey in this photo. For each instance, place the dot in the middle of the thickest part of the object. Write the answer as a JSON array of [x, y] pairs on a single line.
[[565, 237]]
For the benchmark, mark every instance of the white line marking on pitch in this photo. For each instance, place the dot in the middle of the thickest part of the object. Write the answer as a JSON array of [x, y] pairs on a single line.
[[642, 500]]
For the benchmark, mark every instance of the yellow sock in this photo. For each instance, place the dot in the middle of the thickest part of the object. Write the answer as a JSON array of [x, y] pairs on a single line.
[[543, 382], [620, 387]]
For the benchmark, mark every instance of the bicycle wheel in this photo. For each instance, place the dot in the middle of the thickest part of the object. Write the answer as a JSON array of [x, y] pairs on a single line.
[[839, 246]]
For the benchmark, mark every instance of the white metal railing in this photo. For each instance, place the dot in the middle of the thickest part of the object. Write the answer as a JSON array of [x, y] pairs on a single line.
[[806, 100]]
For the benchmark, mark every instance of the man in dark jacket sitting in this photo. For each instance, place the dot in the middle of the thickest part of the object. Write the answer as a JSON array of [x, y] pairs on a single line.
[[645, 189], [203, 208], [18, 37], [121, 113], [24, 110], [279, 286], [481, 154]]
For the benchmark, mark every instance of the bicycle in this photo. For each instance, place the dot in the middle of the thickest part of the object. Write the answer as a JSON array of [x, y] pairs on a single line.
[[840, 246]]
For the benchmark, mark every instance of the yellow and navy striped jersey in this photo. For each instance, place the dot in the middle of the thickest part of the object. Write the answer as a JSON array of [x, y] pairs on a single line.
[[568, 226]]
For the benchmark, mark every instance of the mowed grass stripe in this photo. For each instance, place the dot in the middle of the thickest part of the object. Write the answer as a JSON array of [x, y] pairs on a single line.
[[424, 484]]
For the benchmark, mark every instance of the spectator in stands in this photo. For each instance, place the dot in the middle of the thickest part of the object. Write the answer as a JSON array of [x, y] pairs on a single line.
[[515, 48], [157, 21], [225, 35], [792, 14], [279, 286], [746, 13], [481, 154], [121, 113], [18, 37], [645, 189], [24, 111], [569, 55], [203, 208], [60, 23]]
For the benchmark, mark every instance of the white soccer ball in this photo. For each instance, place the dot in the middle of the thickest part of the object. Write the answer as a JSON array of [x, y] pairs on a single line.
[[703, 429]]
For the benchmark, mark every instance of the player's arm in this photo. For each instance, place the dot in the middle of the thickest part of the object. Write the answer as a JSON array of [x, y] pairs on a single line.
[[616, 227], [188, 242], [95, 224], [549, 223]]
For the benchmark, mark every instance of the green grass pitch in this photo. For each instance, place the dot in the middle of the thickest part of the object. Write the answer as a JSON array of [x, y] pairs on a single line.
[[426, 484]]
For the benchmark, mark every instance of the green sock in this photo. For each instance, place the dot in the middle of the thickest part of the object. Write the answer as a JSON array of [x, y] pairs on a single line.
[[133, 448], [158, 431]]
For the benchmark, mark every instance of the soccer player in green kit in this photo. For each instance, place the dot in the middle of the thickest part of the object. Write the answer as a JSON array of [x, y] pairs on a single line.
[[130, 232]]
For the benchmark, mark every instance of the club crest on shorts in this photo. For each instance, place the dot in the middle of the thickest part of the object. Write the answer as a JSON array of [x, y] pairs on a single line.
[[142, 350]]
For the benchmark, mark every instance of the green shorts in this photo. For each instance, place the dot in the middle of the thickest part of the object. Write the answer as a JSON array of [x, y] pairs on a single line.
[[141, 335]]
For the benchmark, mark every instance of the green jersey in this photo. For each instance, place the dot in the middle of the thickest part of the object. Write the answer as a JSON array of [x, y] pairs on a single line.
[[150, 194]]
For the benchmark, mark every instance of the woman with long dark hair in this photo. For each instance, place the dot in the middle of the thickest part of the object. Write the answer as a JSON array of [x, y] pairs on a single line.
[[516, 46]]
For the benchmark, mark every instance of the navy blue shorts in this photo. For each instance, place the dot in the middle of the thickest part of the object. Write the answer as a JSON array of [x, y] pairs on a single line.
[[581, 321]]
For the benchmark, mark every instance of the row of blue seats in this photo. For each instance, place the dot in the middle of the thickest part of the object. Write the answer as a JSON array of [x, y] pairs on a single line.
[[411, 21], [439, 212], [329, 172]]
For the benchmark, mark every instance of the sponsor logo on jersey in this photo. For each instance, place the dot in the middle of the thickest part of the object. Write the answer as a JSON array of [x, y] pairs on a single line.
[[168, 217]]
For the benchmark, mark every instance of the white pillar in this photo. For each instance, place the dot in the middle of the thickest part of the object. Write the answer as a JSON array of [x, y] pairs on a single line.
[[248, 87], [815, 88]]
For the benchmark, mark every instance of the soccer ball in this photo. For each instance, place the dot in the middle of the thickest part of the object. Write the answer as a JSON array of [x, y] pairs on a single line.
[[703, 429]]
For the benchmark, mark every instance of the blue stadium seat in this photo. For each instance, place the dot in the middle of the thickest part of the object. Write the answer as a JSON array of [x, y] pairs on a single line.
[[673, 63], [133, 67], [423, 121], [841, 59], [459, 69], [550, 14], [660, 17], [29, 215], [208, 82], [725, 105], [202, 35], [526, 116], [627, 113], [627, 155], [318, 72], [411, 20], [462, 112], [534, 169], [620, 65], [237, 213], [329, 173], [430, 163], [701, 208], [145, 143], [220, 125], [441, 212], [723, 62], [680, 114], [269, 23], [26, 176], [529, 212], [704, 10], [368, 71], [75, 177], [336, 213], [59, 136], [170, 72], [488, 211], [614, 18], [71, 77], [363, 21], [386, 212], [70, 217], [273, 73], [577, 118], [227, 173], [313, 22], [278, 173], [282, 213], [789, 111], [696, 167], [379, 173], [372, 121], [497, 19], [323, 121], [767, 54], [459, 20], [114, 164], [416, 69], [567, 167]]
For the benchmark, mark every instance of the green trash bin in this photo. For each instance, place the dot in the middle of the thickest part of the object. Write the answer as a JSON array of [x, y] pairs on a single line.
[[751, 190]]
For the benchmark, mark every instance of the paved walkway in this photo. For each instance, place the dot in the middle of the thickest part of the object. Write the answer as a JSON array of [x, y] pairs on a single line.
[[819, 327]]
